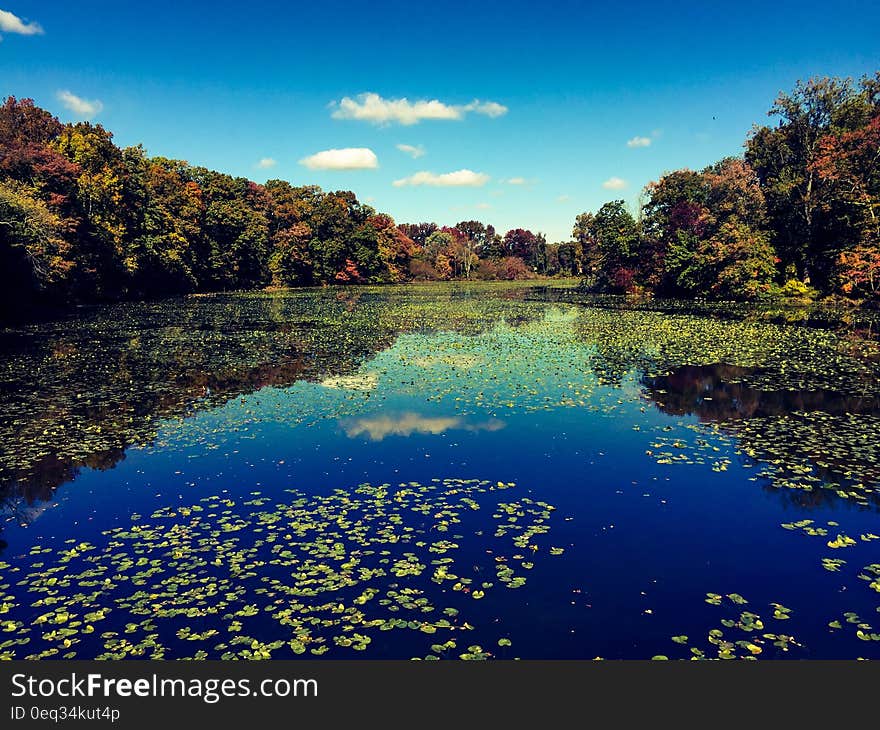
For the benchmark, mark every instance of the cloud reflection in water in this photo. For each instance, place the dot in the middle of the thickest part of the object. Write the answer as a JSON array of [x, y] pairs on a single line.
[[378, 427]]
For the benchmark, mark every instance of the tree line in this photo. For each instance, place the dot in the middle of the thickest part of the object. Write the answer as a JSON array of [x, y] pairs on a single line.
[[798, 214], [83, 220]]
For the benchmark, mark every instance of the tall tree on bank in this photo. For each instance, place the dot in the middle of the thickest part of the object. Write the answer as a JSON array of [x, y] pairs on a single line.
[[803, 219], [617, 238], [848, 163]]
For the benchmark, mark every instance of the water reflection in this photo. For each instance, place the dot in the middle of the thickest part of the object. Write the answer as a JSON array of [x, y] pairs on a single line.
[[860, 322], [359, 381], [379, 427], [832, 432], [715, 393], [78, 393], [409, 389]]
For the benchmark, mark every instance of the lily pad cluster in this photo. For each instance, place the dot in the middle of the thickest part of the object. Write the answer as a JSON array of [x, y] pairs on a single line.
[[743, 633], [846, 555], [252, 578]]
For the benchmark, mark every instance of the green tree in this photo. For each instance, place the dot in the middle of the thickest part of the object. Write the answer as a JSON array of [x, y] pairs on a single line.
[[343, 241], [236, 230], [617, 239], [168, 248]]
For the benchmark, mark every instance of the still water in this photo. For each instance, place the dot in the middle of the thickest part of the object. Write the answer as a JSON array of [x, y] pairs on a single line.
[[449, 471]]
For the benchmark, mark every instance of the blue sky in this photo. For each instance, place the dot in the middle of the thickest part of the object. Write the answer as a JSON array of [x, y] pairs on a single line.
[[538, 104]]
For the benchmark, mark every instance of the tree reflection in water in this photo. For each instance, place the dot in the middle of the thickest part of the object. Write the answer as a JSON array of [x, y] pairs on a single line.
[[79, 393], [716, 394]]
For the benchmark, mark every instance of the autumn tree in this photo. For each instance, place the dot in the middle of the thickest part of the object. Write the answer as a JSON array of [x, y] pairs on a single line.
[[848, 164], [437, 251], [738, 259], [290, 208], [101, 266], [525, 245], [40, 213], [34, 256], [168, 246], [396, 249], [418, 232], [786, 158], [705, 233]]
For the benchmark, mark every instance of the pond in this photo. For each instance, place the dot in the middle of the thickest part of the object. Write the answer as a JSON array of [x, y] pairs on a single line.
[[440, 471]]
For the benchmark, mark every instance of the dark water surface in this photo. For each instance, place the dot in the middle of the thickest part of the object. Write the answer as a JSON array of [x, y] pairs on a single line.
[[440, 471]]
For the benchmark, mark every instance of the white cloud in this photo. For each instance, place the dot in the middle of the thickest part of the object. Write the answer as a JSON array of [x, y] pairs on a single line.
[[488, 108], [639, 142], [84, 107], [373, 108], [414, 151], [349, 158], [266, 163], [563, 198], [516, 181], [10, 23], [370, 107], [462, 178], [614, 183], [483, 206]]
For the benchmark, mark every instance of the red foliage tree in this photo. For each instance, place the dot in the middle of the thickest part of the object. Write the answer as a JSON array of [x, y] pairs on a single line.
[[348, 275]]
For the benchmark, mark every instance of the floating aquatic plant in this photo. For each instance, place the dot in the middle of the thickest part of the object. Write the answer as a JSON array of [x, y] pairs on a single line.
[[240, 578]]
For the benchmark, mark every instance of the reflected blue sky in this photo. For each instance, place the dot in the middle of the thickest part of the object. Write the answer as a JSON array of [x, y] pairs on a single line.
[[644, 541]]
